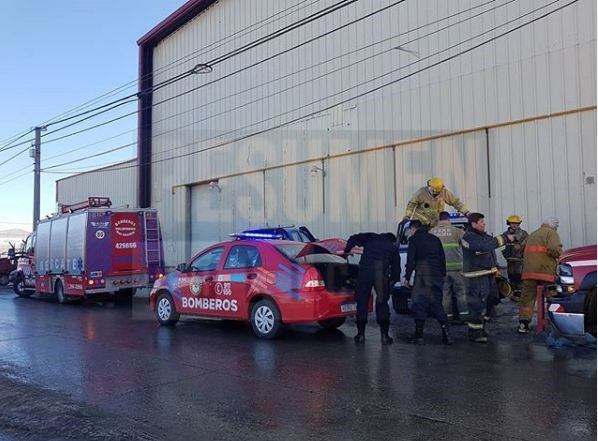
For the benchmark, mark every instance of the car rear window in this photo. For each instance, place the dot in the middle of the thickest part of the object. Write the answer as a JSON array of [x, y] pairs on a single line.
[[308, 253]]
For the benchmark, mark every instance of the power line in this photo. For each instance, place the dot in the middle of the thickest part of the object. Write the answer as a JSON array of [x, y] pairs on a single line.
[[15, 178], [129, 98], [122, 147], [360, 95], [206, 49], [291, 74], [14, 156], [344, 4], [370, 80]]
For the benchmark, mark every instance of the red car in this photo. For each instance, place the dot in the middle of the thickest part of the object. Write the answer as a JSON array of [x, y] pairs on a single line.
[[268, 282], [573, 311]]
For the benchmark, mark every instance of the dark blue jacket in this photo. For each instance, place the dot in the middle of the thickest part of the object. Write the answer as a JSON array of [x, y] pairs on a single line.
[[425, 255], [377, 249], [478, 250]]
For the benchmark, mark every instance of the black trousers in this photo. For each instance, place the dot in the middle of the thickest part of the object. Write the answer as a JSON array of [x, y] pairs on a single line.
[[373, 275], [426, 298]]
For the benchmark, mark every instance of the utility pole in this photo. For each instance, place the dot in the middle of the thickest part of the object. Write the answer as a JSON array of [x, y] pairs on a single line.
[[36, 154]]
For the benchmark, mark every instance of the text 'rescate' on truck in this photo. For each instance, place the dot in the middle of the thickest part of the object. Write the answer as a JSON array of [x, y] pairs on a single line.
[[91, 249]]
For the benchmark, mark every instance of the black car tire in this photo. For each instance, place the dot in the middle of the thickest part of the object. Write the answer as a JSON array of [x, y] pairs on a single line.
[[59, 290], [589, 310], [166, 312], [19, 287], [265, 319], [4, 279], [332, 323]]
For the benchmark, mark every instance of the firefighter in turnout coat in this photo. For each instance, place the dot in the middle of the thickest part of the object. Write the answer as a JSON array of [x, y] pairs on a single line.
[[427, 203], [480, 267], [542, 250], [513, 252]]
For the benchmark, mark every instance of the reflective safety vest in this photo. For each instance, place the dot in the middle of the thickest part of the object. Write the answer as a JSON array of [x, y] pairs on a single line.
[[450, 237]]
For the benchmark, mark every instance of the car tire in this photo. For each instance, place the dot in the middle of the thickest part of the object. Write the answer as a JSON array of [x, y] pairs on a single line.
[[332, 323], [166, 312], [19, 287], [590, 312], [3, 279], [60, 295], [265, 319]]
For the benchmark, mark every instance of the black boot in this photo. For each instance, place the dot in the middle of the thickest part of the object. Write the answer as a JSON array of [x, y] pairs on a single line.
[[360, 337], [384, 337], [418, 337], [476, 332], [446, 334]]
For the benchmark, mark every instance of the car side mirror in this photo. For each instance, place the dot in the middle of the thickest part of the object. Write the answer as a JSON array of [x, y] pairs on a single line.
[[181, 267]]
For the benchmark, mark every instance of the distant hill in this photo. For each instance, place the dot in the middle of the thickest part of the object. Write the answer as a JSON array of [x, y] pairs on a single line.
[[14, 236], [14, 232]]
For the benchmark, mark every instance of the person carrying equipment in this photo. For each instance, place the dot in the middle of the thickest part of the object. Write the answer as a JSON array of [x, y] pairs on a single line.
[[513, 252], [427, 203], [379, 268], [425, 256], [480, 268], [454, 283], [542, 250]]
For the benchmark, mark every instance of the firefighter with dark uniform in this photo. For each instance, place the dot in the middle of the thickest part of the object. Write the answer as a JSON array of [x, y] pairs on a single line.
[[513, 252], [480, 267], [379, 268], [542, 250], [427, 203], [425, 256]]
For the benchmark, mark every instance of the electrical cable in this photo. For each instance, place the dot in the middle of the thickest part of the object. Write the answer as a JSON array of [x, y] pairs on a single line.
[[294, 73], [14, 156], [107, 107], [185, 58], [360, 95]]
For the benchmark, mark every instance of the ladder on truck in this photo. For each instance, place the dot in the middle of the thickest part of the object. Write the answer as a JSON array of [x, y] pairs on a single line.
[[153, 248]]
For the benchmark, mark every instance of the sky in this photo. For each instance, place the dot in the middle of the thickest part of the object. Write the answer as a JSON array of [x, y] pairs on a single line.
[[56, 55]]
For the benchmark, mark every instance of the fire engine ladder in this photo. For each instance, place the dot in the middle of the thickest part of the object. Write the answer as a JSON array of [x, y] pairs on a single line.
[[153, 250]]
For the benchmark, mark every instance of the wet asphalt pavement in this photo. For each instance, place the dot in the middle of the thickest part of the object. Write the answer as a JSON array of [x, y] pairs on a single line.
[[104, 371]]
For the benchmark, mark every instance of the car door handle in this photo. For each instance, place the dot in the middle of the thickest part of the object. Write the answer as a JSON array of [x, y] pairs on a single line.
[[208, 279], [252, 276]]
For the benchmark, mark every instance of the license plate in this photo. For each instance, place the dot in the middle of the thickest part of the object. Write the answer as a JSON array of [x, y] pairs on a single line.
[[349, 307]]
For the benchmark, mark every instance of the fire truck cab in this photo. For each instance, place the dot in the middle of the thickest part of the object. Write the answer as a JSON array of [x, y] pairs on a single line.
[[90, 249]]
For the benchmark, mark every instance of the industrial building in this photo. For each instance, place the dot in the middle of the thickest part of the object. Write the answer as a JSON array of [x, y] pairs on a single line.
[[255, 117]]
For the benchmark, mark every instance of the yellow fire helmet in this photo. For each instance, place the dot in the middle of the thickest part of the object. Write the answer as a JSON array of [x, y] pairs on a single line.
[[436, 184], [514, 219]]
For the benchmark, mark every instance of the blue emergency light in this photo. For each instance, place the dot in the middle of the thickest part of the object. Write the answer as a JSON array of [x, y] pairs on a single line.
[[250, 235]]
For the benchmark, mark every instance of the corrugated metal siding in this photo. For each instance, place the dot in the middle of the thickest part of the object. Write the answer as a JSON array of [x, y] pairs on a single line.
[[547, 67], [116, 182]]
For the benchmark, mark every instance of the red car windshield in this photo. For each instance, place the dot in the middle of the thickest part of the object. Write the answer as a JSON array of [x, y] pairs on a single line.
[[308, 253]]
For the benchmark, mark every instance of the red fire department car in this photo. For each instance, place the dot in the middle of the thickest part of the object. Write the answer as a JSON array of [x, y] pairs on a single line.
[[89, 249], [268, 282]]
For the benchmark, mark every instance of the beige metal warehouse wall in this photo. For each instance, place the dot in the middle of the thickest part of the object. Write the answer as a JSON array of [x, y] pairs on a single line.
[[546, 68], [117, 182]]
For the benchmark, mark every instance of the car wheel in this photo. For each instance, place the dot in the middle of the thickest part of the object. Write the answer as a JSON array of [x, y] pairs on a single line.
[[59, 290], [166, 311], [3, 279], [19, 287], [590, 312], [332, 323], [265, 319]]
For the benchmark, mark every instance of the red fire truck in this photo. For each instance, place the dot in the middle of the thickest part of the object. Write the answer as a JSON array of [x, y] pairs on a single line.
[[89, 249]]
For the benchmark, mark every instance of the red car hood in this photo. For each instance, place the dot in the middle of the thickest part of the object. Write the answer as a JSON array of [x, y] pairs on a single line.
[[581, 253]]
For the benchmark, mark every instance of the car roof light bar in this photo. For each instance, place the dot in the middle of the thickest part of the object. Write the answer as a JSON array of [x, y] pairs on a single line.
[[256, 236]]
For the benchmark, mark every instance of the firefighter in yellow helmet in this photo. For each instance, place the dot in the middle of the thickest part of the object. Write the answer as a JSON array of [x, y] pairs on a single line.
[[513, 251], [427, 202]]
